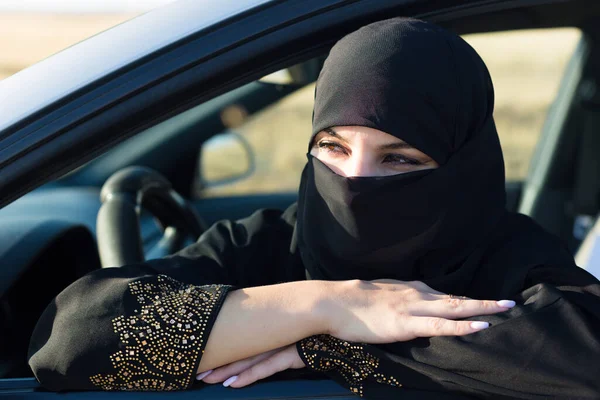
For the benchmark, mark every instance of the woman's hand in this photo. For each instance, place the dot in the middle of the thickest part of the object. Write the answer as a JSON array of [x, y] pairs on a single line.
[[383, 311], [244, 372], [386, 311]]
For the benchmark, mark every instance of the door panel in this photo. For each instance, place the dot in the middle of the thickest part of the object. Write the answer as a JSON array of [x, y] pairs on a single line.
[[313, 389]]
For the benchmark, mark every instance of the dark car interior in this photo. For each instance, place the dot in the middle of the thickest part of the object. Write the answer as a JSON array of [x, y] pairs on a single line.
[[49, 236]]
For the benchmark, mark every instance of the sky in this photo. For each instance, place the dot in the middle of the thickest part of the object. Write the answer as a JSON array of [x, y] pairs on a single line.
[[81, 5]]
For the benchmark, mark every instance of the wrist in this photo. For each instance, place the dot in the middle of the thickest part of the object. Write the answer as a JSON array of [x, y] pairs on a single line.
[[328, 305]]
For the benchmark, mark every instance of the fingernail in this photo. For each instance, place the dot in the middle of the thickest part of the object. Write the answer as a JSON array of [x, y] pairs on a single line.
[[480, 325], [230, 381], [506, 303], [203, 375]]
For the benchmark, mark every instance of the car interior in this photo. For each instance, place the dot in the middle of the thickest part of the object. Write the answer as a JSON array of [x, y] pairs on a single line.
[[50, 236]]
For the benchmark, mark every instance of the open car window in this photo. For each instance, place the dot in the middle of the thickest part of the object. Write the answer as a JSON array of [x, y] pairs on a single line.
[[526, 66]]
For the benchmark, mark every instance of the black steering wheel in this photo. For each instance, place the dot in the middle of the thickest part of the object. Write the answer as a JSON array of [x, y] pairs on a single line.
[[123, 196]]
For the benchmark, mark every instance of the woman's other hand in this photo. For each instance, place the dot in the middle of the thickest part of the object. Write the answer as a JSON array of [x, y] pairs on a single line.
[[385, 311], [245, 372]]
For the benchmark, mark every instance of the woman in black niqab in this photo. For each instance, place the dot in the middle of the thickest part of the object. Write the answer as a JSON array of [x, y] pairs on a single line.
[[145, 327], [430, 89], [446, 227]]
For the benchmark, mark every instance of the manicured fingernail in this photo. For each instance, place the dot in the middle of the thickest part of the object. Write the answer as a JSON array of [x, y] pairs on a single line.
[[230, 381], [203, 375], [506, 303], [480, 325]]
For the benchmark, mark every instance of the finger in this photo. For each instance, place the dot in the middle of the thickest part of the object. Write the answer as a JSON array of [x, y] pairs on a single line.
[[222, 373], [431, 326], [280, 361], [455, 307], [441, 296], [435, 295]]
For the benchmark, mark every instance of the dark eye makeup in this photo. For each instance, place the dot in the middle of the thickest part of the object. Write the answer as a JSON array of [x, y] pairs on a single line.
[[390, 158], [331, 147], [400, 159]]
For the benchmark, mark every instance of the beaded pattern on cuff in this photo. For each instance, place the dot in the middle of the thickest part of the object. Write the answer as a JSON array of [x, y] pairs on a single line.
[[162, 341], [346, 362]]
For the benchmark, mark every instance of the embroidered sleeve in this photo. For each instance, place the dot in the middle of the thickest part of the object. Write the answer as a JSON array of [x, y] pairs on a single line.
[[162, 340], [348, 363]]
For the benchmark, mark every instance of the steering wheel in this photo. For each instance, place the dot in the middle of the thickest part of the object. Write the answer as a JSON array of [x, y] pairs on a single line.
[[123, 196]]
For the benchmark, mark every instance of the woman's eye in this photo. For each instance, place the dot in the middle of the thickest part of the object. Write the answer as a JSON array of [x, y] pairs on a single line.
[[331, 147], [400, 159]]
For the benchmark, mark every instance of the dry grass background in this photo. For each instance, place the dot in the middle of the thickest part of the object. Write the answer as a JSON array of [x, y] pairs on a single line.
[[526, 67], [28, 38]]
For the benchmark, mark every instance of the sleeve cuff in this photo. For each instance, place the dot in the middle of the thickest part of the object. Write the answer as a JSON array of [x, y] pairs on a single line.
[[163, 338], [348, 363]]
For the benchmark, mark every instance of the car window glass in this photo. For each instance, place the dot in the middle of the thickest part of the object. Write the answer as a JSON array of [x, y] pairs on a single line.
[[526, 67], [31, 30]]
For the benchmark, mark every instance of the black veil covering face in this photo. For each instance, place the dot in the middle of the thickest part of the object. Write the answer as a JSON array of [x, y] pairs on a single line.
[[429, 88]]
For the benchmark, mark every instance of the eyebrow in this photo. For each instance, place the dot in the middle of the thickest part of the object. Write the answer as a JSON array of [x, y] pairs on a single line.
[[389, 146], [333, 133]]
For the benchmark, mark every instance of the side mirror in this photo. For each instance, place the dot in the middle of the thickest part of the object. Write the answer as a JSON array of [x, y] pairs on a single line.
[[224, 158], [300, 74]]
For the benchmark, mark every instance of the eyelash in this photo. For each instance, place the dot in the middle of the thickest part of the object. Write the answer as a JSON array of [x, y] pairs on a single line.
[[331, 147]]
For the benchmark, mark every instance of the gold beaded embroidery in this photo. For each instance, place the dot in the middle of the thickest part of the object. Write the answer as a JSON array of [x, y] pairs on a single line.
[[162, 341], [351, 361]]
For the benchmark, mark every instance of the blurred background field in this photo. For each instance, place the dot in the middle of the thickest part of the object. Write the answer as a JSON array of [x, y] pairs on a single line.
[[526, 67], [26, 38]]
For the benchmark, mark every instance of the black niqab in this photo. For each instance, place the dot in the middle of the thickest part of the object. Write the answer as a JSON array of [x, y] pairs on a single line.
[[429, 88]]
